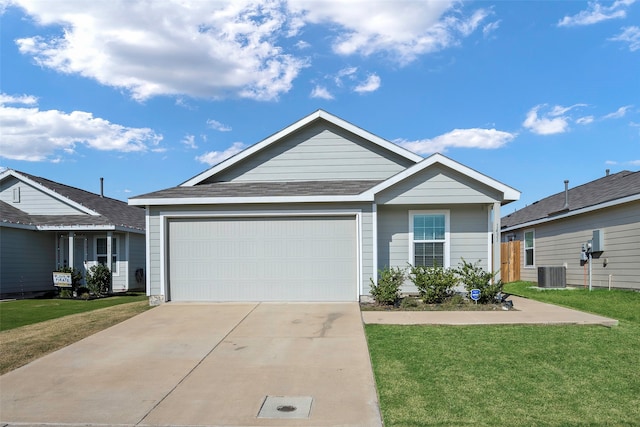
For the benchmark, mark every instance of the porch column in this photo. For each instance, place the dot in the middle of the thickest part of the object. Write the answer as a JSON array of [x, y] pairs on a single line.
[[72, 239], [374, 237], [110, 256], [496, 240]]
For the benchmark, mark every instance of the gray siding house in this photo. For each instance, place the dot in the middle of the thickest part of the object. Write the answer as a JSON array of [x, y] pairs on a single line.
[[311, 213], [552, 231], [46, 225]]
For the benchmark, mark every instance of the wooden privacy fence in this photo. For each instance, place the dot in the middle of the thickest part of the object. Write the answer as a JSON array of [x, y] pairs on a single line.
[[510, 261]]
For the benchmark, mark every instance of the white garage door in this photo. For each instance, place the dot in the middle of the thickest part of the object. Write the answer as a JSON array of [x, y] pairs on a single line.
[[263, 259]]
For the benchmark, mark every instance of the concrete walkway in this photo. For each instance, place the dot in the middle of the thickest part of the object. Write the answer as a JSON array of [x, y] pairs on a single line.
[[525, 311], [205, 364]]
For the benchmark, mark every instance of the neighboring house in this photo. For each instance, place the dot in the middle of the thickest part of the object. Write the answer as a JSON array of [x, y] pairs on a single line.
[[46, 225], [311, 213], [553, 231]]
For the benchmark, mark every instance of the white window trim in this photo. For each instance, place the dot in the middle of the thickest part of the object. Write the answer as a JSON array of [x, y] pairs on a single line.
[[524, 245], [447, 233], [114, 244]]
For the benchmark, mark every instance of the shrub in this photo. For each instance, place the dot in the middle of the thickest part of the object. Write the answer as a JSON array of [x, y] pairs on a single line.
[[409, 303], [99, 279], [435, 284], [474, 277], [387, 291]]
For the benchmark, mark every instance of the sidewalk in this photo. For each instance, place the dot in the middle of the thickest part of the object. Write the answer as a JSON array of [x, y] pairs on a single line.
[[525, 311]]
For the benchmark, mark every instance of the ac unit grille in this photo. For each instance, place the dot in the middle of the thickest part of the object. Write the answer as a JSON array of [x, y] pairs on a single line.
[[552, 277]]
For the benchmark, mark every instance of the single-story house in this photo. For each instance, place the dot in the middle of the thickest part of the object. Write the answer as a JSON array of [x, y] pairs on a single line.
[[554, 231], [311, 213], [46, 225]]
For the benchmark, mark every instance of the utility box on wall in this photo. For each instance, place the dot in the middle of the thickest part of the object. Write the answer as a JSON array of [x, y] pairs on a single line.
[[597, 241]]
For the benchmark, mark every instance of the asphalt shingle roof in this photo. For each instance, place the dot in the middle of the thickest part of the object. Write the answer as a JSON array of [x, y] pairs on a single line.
[[266, 189], [605, 189], [112, 211]]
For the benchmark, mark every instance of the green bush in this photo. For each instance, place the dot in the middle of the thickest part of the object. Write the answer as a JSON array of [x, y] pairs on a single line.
[[99, 279], [435, 284], [387, 291], [474, 277]]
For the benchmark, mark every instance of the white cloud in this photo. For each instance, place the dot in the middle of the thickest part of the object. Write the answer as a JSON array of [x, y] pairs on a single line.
[[404, 30], [321, 92], [585, 120], [459, 138], [629, 35], [228, 48], [18, 100], [202, 49], [36, 135], [491, 27], [214, 157], [214, 124], [596, 12], [371, 84], [189, 141], [619, 113], [552, 122]]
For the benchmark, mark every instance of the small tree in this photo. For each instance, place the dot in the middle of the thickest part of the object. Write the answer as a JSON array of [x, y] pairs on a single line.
[[435, 284], [99, 279], [474, 277], [387, 291]]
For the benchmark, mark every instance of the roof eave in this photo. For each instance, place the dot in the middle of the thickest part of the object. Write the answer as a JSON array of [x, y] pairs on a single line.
[[248, 200], [580, 211]]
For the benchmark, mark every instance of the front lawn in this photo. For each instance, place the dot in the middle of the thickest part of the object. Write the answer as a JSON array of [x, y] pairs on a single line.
[[14, 314], [514, 375]]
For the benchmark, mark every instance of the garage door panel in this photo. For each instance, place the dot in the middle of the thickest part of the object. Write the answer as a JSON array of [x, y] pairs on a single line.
[[263, 259]]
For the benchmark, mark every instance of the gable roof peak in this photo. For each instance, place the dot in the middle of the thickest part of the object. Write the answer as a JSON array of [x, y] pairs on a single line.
[[274, 138]]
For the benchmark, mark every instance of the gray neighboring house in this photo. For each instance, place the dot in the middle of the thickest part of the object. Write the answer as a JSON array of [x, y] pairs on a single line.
[[553, 230], [46, 225], [311, 213]]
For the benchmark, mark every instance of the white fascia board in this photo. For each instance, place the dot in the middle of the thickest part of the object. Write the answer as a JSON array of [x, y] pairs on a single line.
[[18, 225], [509, 194], [584, 210], [76, 227], [249, 200], [319, 114], [48, 191]]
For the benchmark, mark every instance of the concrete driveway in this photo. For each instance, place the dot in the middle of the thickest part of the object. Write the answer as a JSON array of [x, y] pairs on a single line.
[[261, 364]]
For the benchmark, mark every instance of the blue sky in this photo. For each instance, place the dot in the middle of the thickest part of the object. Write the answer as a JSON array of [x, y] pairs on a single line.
[[148, 94]]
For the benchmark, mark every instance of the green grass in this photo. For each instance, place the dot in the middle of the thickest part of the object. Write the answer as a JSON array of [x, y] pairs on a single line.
[[14, 314], [514, 375], [621, 305]]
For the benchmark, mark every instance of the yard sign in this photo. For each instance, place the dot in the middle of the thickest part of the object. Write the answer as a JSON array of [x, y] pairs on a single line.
[[62, 280]]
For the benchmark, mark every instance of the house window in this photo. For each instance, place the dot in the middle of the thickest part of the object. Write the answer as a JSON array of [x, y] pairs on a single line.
[[529, 246], [102, 256], [429, 238]]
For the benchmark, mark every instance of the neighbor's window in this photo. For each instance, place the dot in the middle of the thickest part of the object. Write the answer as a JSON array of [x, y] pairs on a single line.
[[430, 234], [529, 239], [102, 256]]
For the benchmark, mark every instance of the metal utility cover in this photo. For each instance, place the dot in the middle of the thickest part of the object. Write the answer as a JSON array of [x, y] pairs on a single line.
[[286, 407]]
